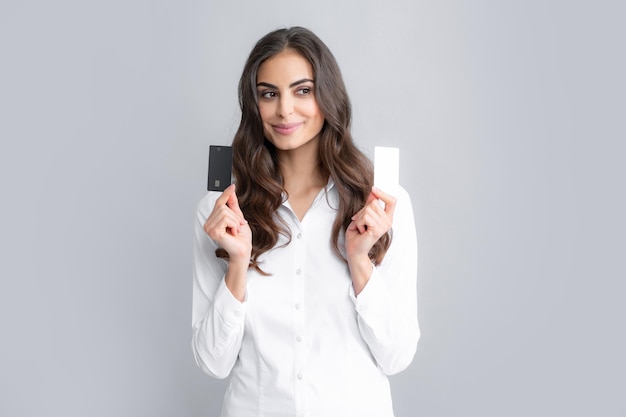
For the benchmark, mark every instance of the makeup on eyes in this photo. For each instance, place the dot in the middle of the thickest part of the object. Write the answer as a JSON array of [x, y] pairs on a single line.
[[265, 88]]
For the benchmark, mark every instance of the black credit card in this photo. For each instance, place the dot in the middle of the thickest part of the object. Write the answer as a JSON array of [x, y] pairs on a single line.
[[220, 167]]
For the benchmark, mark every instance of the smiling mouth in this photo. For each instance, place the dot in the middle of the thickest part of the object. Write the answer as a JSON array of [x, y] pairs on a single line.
[[286, 128]]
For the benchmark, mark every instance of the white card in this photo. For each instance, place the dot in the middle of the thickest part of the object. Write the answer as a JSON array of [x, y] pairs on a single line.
[[386, 168]]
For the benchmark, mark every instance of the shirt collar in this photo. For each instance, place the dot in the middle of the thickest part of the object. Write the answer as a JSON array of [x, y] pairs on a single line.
[[329, 186]]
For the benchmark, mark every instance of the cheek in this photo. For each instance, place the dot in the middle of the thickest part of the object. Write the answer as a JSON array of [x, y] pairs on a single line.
[[313, 111], [264, 111], [318, 115]]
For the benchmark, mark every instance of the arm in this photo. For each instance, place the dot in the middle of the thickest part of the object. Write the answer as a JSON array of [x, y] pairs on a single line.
[[386, 296], [218, 286]]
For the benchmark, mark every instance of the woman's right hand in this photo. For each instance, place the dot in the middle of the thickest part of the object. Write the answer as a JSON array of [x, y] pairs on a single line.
[[227, 226]]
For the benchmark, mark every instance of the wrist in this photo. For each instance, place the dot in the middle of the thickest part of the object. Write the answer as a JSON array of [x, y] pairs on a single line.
[[236, 276], [238, 262], [361, 268], [239, 257]]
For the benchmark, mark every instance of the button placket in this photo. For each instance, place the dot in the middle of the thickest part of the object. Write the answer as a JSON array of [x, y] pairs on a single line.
[[299, 305]]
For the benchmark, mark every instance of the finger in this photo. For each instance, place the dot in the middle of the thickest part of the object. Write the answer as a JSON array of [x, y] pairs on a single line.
[[234, 221], [233, 203], [368, 203], [221, 219], [376, 207], [360, 224], [371, 198], [389, 200], [358, 214], [217, 226], [376, 221], [223, 199], [365, 218], [371, 222], [230, 226]]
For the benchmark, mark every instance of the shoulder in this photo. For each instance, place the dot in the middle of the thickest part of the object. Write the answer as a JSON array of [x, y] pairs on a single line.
[[401, 195], [404, 208], [206, 204]]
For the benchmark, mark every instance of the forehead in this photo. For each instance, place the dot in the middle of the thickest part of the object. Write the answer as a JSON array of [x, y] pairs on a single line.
[[286, 66]]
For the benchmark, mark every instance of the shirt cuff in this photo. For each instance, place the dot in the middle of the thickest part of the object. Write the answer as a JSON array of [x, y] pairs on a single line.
[[228, 308]]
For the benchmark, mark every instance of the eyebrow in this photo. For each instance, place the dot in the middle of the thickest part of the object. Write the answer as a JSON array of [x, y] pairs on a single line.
[[304, 80]]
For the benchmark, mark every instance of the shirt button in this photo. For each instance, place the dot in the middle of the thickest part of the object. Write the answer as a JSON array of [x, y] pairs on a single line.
[[298, 271], [297, 306], [299, 236], [300, 376], [298, 339]]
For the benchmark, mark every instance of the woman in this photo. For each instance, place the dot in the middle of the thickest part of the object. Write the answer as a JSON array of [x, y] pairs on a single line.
[[301, 293]]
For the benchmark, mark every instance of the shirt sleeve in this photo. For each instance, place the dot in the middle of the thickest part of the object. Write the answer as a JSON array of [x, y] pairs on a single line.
[[387, 306], [217, 316]]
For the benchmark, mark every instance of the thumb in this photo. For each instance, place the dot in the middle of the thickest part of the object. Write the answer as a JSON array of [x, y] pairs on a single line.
[[389, 200], [233, 202]]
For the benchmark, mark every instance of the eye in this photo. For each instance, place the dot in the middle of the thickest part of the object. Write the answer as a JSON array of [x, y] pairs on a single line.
[[267, 94], [304, 91]]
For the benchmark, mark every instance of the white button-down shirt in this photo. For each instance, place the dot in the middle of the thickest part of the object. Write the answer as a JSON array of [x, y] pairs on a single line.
[[302, 344]]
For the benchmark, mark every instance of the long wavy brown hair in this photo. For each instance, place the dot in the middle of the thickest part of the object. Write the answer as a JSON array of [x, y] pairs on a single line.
[[255, 166]]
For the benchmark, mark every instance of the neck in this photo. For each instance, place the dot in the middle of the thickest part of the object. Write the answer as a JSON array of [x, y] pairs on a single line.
[[301, 169]]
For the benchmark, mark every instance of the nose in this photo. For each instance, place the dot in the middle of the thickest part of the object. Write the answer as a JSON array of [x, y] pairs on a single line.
[[285, 106]]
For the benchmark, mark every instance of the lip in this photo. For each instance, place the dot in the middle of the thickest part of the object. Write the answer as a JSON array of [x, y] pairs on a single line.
[[286, 128]]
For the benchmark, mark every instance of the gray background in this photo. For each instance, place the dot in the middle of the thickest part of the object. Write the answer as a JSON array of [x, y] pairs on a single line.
[[510, 118]]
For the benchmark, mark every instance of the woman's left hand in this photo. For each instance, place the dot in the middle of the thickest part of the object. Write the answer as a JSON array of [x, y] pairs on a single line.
[[369, 224]]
